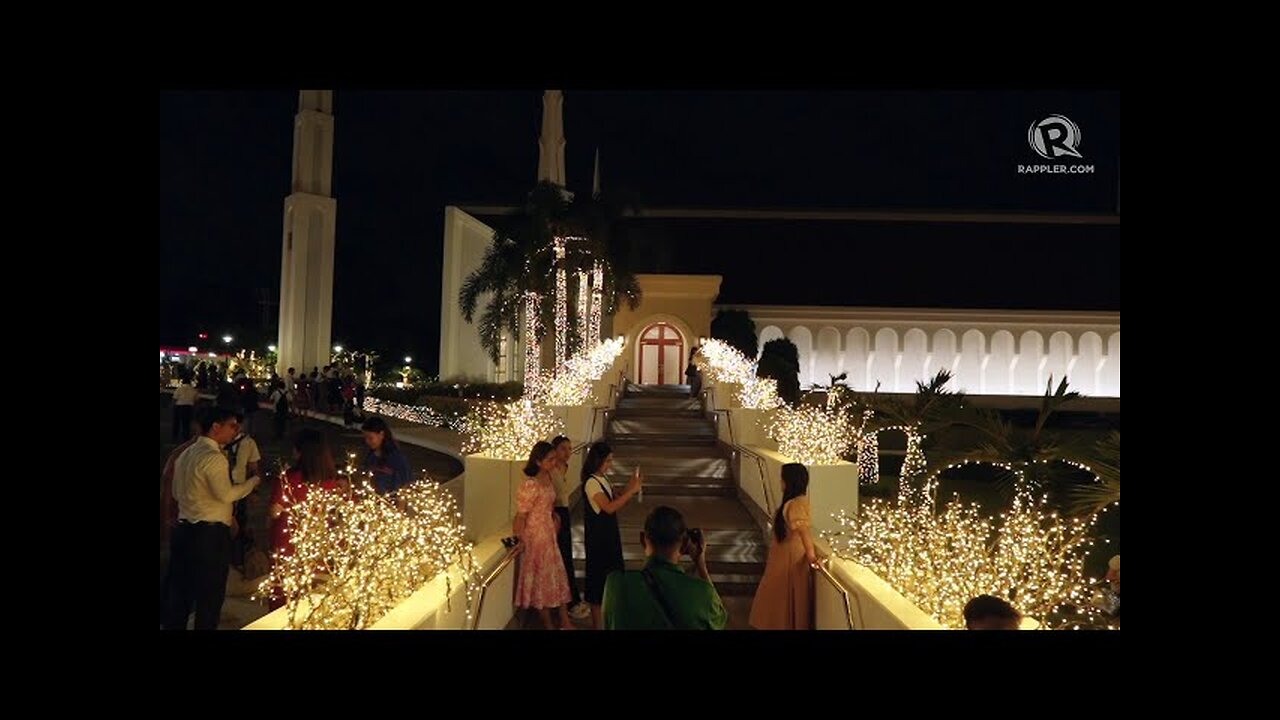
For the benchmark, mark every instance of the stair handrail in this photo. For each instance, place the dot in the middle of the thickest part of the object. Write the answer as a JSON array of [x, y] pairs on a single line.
[[764, 482], [502, 565], [824, 571]]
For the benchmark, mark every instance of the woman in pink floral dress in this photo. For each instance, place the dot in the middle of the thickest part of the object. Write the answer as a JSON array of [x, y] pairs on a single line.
[[542, 583]]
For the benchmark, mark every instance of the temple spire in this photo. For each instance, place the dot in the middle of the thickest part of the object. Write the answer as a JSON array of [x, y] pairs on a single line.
[[551, 144]]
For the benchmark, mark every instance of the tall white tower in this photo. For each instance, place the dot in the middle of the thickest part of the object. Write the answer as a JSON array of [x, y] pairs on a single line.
[[551, 144], [310, 217]]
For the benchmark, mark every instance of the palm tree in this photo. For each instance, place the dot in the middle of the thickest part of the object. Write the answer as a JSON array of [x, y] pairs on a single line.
[[1042, 457], [521, 259], [1092, 497], [518, 260], [596, 218], [923, 417]]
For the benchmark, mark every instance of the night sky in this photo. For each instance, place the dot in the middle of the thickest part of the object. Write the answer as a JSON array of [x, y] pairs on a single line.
[[400, 157]]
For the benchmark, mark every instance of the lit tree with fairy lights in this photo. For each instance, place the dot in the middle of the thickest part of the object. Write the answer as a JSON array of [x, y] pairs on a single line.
[[357, 554], [523, 278]]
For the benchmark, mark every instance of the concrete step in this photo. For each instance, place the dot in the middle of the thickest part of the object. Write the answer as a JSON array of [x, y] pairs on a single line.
[[631, 413], [692, 426], [674, 441], [657, 391], [658, 463], [663, 404]]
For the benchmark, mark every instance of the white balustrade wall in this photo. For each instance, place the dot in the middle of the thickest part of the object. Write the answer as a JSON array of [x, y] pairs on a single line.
[[989, 352]]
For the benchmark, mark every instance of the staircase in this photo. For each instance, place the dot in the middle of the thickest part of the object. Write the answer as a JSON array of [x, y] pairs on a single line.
[[661, 430]]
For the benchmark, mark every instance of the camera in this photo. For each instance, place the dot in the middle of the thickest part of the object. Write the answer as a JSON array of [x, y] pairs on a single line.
[[693, 541]]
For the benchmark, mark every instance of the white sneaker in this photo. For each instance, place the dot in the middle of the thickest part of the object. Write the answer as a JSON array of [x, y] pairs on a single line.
[[581, 611]]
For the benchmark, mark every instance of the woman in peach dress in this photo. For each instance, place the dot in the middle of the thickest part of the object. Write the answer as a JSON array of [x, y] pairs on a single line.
[[542, 583], [784, 600]]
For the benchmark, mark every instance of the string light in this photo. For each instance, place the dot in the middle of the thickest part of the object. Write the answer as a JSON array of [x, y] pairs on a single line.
[[811, 435], [562, 305], [869, 459], [939, 561], [532, 346], [573, 385], [722, 363], [913, 466], [421, 414], [584, 297], [357, 554], [509, 430], [597, 297]]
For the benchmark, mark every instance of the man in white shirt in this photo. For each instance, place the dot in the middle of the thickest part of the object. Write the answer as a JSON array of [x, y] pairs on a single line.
[[184, 401], [200, 548]]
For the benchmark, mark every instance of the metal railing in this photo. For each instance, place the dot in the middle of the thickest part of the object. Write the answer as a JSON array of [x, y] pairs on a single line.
[[764, 479], [737, 447], [824, 571], [502, 565]]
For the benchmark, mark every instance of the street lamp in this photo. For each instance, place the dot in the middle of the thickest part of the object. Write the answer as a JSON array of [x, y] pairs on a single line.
[[226, 339], [271, 348], [337, 348], [407, 359]]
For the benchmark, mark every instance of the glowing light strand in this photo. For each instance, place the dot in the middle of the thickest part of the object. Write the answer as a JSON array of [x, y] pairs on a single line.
[[584, 298], [357, 554], [597, 297], [532, 344], [562, 306]]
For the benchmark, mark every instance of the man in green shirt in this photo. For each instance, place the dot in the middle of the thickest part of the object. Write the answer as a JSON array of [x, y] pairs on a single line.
[[662, 596]]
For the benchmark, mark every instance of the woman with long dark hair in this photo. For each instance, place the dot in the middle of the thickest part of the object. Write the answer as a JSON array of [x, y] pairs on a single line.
[[389, 467], [784, 600], [313, 466], [542, 583], [600, 521], [564, 521]]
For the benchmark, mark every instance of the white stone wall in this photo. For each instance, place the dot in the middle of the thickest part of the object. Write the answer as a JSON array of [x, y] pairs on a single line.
[[989, 352], [465, 241]]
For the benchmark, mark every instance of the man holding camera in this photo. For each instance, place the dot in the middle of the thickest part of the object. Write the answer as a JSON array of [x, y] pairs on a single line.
[[662, 596]]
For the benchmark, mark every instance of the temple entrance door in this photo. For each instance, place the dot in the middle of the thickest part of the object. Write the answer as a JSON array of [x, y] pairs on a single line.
[[661, 355]]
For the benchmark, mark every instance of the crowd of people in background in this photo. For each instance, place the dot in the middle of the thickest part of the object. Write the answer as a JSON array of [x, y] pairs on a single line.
[[218, 464]]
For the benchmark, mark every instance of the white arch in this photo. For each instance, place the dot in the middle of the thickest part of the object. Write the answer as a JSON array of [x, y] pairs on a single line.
[[915, 355], [944, 353], [1109, 376], [1027, 375], [998, 376], [973, 353], [803, 338], [827, 361], [770, 332], [1084, 376], [857, 348], [884, 361], [1058, 365]]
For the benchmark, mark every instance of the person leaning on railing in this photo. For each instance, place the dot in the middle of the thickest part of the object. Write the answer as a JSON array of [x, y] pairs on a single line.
[[784, 599]]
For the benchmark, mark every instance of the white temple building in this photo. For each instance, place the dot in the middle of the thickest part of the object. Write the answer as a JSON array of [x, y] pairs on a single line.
[[997, 352]]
